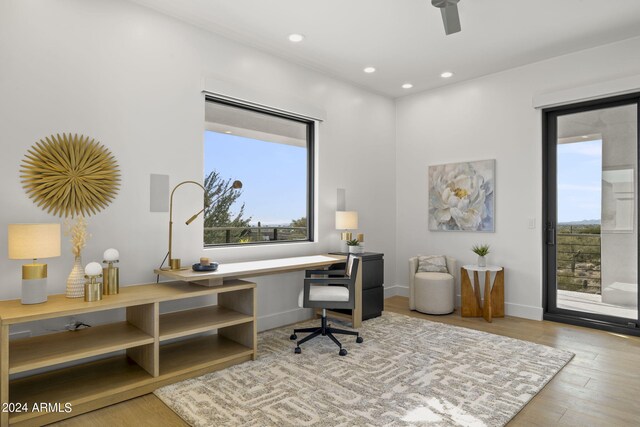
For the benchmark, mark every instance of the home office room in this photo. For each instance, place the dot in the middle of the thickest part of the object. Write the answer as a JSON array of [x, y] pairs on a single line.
[[318, 213]]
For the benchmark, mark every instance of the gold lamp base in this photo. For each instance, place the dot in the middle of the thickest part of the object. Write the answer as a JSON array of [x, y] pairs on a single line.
[[110, 280], [34, 283], [34, 271]]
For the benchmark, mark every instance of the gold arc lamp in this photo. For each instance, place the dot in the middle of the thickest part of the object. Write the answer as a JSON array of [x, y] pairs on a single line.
[[346, 220], [174, 263], [34, 241]]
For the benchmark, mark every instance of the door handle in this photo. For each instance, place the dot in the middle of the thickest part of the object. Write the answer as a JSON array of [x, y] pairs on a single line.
[[551, 234]]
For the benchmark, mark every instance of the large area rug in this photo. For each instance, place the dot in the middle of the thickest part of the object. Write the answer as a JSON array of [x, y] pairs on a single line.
[[408, 371]]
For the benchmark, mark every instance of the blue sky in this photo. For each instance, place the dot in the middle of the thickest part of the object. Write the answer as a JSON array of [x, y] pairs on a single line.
[[579, 181], [273, 175]]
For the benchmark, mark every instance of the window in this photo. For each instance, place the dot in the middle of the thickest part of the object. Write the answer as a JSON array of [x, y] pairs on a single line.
[[258, 169]]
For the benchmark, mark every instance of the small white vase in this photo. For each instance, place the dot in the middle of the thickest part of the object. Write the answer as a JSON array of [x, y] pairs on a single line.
[[75, 281], [353, 249], [482, 261]]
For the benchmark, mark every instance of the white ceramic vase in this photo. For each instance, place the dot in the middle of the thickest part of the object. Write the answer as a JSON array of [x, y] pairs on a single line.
[[353, 249], [482, 261], [75, 281]]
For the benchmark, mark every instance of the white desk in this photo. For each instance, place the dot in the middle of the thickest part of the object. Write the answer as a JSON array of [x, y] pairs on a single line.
[[237, 270]]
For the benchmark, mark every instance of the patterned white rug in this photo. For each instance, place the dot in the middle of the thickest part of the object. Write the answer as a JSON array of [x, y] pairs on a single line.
[[408, 371]]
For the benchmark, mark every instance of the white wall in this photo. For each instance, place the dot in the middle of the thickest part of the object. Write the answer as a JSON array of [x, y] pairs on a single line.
[[492, 118], [131, 78]]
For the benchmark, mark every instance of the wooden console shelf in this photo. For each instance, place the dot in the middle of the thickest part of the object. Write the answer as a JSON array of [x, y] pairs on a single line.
[[51, 349], [146, 360], [189, 322]]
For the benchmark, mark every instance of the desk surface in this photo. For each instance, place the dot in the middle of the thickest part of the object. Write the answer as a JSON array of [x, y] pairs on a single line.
[[237, 270]]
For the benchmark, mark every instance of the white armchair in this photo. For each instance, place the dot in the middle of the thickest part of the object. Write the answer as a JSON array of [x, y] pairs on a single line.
[[431, 292]]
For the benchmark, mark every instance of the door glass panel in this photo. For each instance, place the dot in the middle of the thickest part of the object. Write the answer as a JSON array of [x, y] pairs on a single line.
[[596, 259]]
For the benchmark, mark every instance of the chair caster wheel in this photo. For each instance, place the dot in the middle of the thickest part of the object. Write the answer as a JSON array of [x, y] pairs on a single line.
[[293, 337], [298, 350], [359, 340], [343, 352]]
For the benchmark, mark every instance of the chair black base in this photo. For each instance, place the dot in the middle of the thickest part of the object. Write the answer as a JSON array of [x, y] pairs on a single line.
[[324, 330]]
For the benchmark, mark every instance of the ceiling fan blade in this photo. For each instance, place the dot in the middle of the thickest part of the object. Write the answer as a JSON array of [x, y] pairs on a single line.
[[450, 18]]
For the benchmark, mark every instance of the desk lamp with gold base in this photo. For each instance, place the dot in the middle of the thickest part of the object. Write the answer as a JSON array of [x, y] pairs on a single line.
[[345, 221], [175, 263]]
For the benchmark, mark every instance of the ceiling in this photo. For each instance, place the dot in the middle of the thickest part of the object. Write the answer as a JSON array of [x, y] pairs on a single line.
[[404, 39]]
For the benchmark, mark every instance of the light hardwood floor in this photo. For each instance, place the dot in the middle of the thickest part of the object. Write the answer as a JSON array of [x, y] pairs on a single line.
[[599, 387]]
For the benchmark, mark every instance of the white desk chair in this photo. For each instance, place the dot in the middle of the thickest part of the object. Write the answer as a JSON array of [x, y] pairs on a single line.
[[318, 292]]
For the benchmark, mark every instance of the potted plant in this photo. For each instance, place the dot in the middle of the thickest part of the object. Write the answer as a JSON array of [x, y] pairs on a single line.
[[482, 251], [353, 246]]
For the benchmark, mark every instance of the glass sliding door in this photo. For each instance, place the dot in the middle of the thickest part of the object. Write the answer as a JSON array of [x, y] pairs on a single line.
[[591, 214]]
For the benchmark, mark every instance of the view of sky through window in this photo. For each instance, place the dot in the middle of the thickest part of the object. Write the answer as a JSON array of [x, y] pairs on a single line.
[[274, 176], [580, 181]]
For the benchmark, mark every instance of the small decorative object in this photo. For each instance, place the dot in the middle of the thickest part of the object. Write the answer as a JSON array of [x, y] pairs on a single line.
[[482, 251], [111, 273], [92, 288], [462, 196], [205, 261], [78, 233], [70, 175], [353, 246], [212, 266], [32, 241]]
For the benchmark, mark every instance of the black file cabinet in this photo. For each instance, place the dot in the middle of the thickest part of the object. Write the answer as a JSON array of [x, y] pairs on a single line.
[[372, 284]]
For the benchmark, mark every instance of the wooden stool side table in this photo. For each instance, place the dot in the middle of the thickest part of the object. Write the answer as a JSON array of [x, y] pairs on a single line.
[[493, 304]]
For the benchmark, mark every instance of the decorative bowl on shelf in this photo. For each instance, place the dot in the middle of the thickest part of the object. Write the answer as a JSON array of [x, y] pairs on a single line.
[[199, 267]]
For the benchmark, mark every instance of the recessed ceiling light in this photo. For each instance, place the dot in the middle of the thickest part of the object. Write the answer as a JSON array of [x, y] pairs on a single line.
[[407, 86], [369, 70], [446, 74], [227, 132], [296, 38]]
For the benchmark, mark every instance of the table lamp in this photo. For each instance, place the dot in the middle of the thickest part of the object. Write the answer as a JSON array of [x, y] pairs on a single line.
[[346, 220], [92, 288], [111, 273], [33, 241]]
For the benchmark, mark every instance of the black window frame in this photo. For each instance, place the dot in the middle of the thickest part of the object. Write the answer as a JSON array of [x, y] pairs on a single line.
[[549, 204], [311, 126]]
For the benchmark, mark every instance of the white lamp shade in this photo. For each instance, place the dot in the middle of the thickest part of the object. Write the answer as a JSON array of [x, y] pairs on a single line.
[[31, 241], [111, 255], [346, 220], [93, 269]]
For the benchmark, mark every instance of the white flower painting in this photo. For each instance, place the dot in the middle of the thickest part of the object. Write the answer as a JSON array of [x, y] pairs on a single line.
[[462, 196]]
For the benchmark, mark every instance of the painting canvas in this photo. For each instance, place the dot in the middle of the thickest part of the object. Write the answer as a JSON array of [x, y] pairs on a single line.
[[462, 196]]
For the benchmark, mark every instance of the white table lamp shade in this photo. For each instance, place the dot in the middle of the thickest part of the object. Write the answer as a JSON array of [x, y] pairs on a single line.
[[93, 269], [111, 255], [346, 220], [32, 241]]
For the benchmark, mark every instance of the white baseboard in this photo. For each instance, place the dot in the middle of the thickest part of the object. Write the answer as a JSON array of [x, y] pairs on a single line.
[[275, 320], [524, 311], [392, 291], [296, 315], [510, 309]]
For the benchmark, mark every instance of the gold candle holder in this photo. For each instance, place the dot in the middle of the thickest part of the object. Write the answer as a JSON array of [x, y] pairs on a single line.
[[92, 288], [111, 278], [174, 264]]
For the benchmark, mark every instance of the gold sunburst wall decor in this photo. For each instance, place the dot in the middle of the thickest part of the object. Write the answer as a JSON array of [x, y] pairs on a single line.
[[70, 175]]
